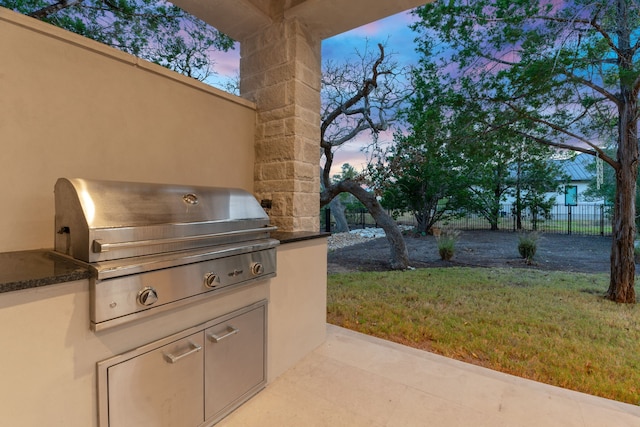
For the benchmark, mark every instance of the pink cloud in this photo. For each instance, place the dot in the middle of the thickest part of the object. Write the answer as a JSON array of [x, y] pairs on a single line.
[[227, 63], [353, 153], [367, 30]]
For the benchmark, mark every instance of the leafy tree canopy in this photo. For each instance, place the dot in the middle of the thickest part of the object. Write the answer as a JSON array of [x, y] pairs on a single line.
[[566, 73], [154, 30], [424, 171]]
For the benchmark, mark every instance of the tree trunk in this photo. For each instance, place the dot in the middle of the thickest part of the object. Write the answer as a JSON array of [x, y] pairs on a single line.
[[421, 222], [494, 208], [494, 217], [518, 213], [623, 267], [399, 256], [337, 209], [518, 199]]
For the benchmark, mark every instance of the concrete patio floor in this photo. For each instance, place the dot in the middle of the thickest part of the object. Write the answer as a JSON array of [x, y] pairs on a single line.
[[357, 380]]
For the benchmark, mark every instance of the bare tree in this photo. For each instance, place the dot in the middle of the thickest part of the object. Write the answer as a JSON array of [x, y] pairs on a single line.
[[359, 98]]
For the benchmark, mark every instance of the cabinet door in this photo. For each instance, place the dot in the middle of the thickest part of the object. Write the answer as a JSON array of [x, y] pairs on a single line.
[[162, 387], [235, 366]]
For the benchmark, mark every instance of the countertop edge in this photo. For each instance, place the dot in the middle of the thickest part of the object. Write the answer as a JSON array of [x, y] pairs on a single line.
[[30, 269], [36, 268], [20, 285], [296, 236]]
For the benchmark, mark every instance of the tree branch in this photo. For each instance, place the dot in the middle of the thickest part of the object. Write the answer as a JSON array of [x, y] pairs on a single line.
[[594, 150], [368, 86], [53, 8], [610, 96], [589, 22]]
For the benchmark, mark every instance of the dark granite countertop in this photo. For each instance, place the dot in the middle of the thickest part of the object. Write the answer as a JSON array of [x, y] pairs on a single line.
[[41, 267], [296, 236], [31, 269]]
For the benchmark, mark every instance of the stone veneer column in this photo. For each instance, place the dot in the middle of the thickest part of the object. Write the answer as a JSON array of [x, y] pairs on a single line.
[[280, 70]]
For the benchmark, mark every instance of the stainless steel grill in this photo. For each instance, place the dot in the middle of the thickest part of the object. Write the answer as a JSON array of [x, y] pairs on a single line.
[[153, 247]]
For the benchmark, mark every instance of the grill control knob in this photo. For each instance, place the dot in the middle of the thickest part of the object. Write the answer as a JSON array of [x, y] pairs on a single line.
[[257, 268], [211, 280], [147, 296]]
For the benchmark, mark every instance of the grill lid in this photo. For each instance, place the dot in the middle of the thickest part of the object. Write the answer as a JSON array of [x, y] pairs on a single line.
[[107, 220]]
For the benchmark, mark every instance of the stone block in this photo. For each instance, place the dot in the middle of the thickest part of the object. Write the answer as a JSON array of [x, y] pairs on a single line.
[[306, 204], [277, 171], [308, 151], [309, 75], [275, 186], [275, 149], [267, 56], [307, 186], [302, 129], [274, 128], [282, 204], [307, 97], [305, 171], [304, 47], [281, 73], [307, 223], [284, 223], [308, 115], [276, 114], [272, 97]]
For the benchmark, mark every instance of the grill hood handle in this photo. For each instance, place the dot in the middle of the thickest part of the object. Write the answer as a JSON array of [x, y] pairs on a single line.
[[100, 246]]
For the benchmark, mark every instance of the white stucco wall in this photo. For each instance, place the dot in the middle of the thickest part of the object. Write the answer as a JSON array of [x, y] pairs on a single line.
[[71, 107]]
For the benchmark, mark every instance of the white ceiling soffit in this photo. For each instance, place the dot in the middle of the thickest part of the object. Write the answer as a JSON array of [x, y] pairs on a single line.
[[324, 18], [236, 18], [327, 18]]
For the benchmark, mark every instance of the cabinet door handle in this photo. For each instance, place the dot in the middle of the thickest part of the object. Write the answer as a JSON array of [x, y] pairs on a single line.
[[230, 331], [194, 348]]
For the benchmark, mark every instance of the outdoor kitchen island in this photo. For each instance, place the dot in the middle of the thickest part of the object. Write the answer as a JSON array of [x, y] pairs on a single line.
[[50, 355], [74, 107]]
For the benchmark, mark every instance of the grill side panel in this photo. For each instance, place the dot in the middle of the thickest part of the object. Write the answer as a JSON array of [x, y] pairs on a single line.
[[71, 228]]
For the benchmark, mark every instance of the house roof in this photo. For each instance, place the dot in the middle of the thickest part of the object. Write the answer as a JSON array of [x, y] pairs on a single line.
[[577, 167]]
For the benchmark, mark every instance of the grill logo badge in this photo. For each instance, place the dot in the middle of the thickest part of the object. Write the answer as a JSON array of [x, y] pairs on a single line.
[[190, 199]]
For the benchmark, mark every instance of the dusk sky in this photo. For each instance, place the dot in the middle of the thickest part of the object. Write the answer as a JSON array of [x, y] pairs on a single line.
[[394, 31], [399, 39]]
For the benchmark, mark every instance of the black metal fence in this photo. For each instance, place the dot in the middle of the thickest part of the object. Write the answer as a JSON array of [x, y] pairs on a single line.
[[593, 220]]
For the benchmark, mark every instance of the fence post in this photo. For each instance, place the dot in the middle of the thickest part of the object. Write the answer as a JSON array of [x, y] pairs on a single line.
[[602, 220], [327, 220]]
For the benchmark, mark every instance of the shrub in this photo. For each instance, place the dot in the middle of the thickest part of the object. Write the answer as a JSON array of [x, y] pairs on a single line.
[[447, 243], [527, 246]]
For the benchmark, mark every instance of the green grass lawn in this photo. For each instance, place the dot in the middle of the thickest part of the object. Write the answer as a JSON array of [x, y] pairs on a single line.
[[552, 327]]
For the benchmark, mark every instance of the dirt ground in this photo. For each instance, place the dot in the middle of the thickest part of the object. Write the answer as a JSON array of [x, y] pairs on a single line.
[[589, 254]]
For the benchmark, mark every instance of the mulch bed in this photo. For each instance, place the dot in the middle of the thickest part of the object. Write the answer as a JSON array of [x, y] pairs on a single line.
[[560, 252]]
